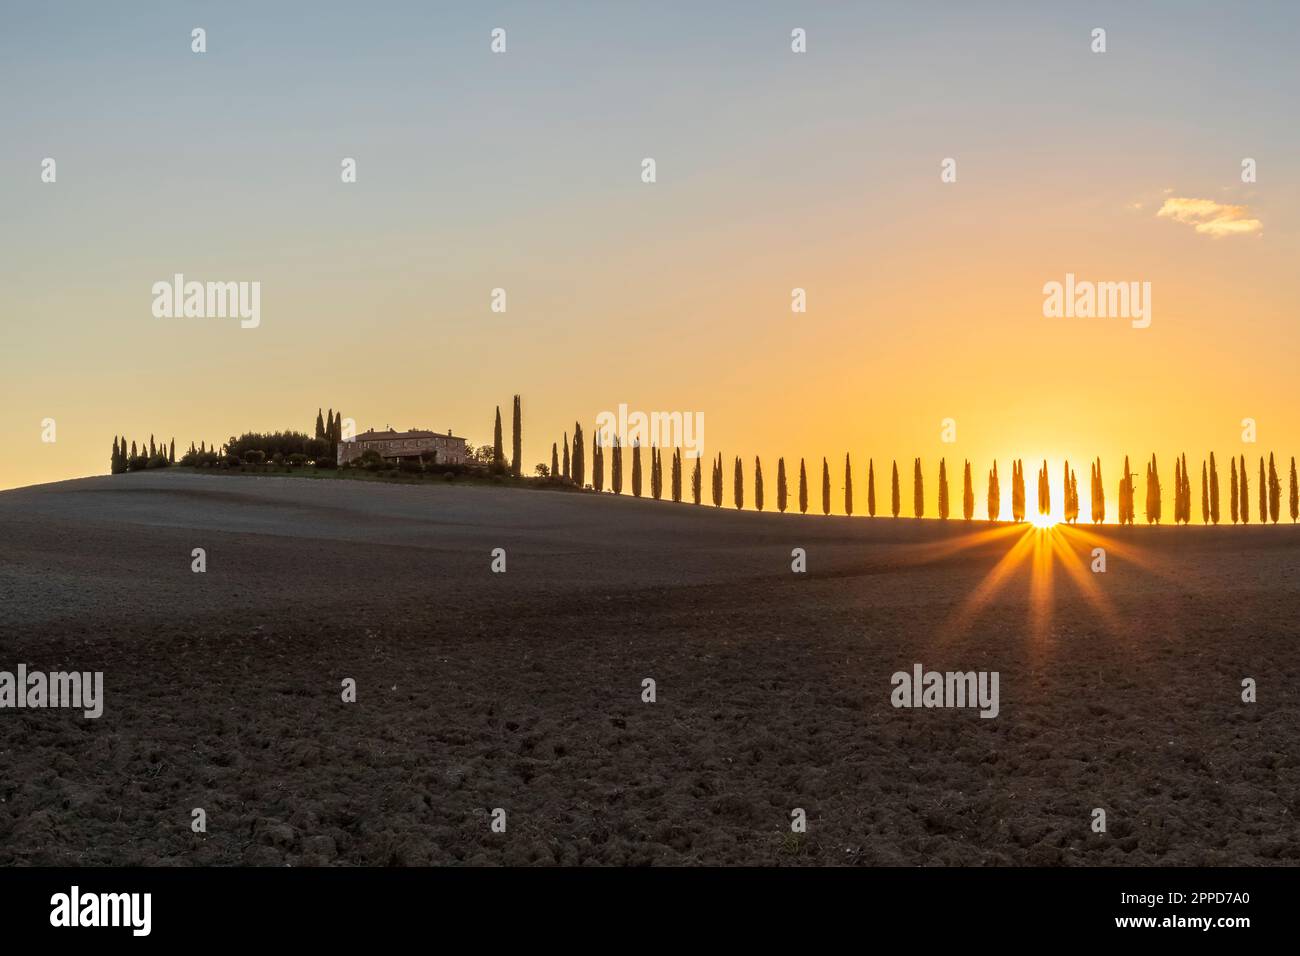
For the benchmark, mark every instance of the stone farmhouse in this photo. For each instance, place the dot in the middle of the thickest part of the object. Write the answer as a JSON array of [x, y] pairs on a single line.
[[395, 445]]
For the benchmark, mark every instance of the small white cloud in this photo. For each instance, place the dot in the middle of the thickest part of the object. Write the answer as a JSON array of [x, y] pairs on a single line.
[[1210, 218]]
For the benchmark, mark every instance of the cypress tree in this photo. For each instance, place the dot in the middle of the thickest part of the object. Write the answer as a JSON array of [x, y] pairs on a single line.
[[1236, 505], [153, 451], [943, 489], [1098, 496], [1018, 490], [564, 450], [918, 490], [826, 488], [738, 488], [895, 493], [636, 467], [1178, 492], [112, 462], [656, 473], [134, 453], [848, 486], [579, 466], [717, 482], [1245, 493], [1295, 493], [329, 427], [1263, 494], [871, 488], [758, 484], [781, 490], [677, 474], [803, 488], [994, 494], [499, 454], [516, 447], [616, 468], [697, 481], [171, 456], [1153, 492], [967, 494], [1214, 490], [320, 426], [555, 461], [1073, 516], [597, 463]]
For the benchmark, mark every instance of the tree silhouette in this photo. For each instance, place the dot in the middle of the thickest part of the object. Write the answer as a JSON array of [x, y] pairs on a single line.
[[579, 467], [1214, 490], [616, 468], [1178, 491], [781, 490], [895, 494], [565, 447], [498, 453], [677, 474], [320, 426], [967, 493], [636, 468], [943, 489], [597, 463], [1274, 492], [555, 460], [1245, 493], [1295, 494], [803, 488], [1236, 504], [871, 488], [995, 494], [918, 490], [517, 459], [1073, 516], [1018, 490], [758, 484], [1153, 492], [738, 488], [1263, 493], [697, 481], [1098, 512], [656, 473], [848, 486], [826, 488], [718, 481]]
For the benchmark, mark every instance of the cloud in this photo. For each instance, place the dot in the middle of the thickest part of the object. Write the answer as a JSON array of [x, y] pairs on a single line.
[[1210, 218]]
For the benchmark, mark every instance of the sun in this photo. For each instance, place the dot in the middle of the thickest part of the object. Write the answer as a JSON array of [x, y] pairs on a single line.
[[1042, 521]]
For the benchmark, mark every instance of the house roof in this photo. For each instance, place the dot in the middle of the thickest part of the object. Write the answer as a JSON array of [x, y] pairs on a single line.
[[391, 435]]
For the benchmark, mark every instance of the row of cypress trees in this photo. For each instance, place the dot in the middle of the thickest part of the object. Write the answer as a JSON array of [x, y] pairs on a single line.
[[1270, 490], [139, 458]]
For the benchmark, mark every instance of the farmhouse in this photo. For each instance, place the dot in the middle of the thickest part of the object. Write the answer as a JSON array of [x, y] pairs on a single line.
[[445, 449]]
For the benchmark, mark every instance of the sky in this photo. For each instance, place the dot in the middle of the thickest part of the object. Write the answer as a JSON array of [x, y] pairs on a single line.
[[775, 170]]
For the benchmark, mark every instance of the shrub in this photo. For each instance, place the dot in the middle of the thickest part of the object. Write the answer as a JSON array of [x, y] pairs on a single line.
[[158, 461], [375, 466], [297, 459], [137, 463], [231, 460], [254, 457], [326, 463], [277, 458], [411, 466]]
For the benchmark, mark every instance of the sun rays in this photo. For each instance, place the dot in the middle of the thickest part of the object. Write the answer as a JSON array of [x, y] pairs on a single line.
[[1042, 548]]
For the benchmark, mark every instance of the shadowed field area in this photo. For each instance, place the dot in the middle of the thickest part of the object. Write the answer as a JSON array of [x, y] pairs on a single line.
[[522, 690]]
